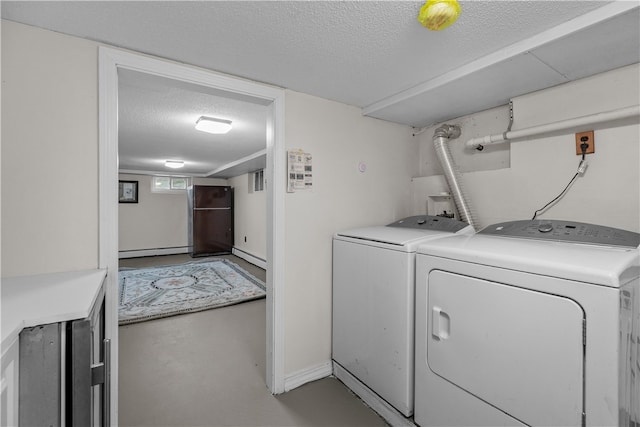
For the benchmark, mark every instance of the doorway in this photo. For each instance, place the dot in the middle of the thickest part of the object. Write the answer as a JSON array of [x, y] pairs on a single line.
[[110, 61]]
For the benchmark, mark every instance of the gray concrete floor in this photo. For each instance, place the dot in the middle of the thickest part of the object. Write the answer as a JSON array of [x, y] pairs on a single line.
[[208, 369]]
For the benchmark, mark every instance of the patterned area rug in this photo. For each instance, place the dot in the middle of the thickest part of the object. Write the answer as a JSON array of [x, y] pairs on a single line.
[[154, 292]]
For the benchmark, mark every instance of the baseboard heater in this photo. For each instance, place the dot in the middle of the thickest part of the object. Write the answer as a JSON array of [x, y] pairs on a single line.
[[177, 250], [136, 253], [259, 262]]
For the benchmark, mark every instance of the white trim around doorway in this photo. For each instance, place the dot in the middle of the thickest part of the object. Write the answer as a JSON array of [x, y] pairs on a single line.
[[110, 60]]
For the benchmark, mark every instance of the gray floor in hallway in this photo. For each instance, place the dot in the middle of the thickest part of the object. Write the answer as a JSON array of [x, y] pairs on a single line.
[[208, 369]]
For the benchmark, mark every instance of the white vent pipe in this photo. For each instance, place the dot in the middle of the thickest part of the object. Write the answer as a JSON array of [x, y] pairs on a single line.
[[441, 136], [623, 113]]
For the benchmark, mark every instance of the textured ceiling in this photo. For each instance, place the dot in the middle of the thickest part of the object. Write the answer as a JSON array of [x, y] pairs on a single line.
[[158, 115], [374, 55]]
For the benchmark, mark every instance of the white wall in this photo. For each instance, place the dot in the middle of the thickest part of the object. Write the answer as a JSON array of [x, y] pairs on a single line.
[[540, 167], [250, 217], [49, 152], [158, 220], [338, 137]]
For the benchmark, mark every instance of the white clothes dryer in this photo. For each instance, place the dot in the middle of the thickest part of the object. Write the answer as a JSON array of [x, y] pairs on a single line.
[[373, 303], [529, 323]]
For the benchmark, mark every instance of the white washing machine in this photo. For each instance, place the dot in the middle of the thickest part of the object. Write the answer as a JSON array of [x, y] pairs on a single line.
[[373, 303], [529, 323]]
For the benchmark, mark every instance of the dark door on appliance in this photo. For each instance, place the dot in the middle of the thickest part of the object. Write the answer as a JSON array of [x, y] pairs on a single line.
[[212, 218], [212, 197]]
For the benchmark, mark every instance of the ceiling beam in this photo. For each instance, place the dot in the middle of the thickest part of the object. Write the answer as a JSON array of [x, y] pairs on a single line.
[[572, 26], [238, 162]]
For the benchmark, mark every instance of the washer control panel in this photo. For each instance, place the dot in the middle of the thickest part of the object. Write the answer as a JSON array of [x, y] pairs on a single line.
[[565, 231], [429, 222]]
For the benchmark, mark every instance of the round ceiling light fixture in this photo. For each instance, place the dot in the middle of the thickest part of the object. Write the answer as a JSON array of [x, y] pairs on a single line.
[[439, 14]]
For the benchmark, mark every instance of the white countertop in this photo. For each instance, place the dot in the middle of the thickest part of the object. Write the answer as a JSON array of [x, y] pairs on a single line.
[[47, 298]]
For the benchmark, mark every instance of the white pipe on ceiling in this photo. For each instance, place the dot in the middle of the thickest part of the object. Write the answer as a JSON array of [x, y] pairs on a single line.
[[592, 119]]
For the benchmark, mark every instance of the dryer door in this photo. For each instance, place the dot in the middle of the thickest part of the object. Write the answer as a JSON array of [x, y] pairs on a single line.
[[518, 350]]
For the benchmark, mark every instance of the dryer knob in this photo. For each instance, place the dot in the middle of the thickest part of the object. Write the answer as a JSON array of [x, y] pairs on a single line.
[[545, 227]]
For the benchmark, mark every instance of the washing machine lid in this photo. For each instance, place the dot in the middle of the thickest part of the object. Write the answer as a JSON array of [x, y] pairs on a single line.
[[432, 222], [408, 232], [402, 238], [602, 265]]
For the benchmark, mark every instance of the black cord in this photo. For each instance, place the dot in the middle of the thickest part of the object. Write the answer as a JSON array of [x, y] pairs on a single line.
[[584, 147], [581, 168], [559, 195]]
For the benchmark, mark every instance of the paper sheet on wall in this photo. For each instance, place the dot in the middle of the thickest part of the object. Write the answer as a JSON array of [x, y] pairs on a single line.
[[299, 171]]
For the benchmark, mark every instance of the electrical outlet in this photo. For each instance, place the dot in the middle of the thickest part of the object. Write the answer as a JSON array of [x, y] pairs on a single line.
[[580, 138]]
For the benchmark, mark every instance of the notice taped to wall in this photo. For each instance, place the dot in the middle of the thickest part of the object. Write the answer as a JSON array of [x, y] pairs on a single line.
[[299, 171]]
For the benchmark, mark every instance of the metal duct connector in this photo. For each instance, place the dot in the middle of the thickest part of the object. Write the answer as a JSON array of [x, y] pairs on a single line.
[[441, 136]]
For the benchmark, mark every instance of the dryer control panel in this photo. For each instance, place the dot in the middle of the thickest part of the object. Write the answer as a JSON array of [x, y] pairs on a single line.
[[565, 231], [429, 222]]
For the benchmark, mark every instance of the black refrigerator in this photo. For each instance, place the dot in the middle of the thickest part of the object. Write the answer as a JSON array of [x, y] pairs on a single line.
[[210, 220]]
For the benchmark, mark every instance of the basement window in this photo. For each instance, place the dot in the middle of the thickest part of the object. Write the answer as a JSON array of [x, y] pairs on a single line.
[[169, 184], [256, 181]]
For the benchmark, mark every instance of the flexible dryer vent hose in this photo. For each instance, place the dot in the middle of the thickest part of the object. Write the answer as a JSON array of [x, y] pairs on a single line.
[[441, 137]]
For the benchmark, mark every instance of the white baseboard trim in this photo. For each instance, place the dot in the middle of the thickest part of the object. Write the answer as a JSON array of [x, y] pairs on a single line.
[[375, 402], [304, 376], [153, 252], [250, 258]]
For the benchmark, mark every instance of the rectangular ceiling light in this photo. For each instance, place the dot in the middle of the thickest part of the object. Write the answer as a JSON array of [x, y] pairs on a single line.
[[211, 125], [174, 164]]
